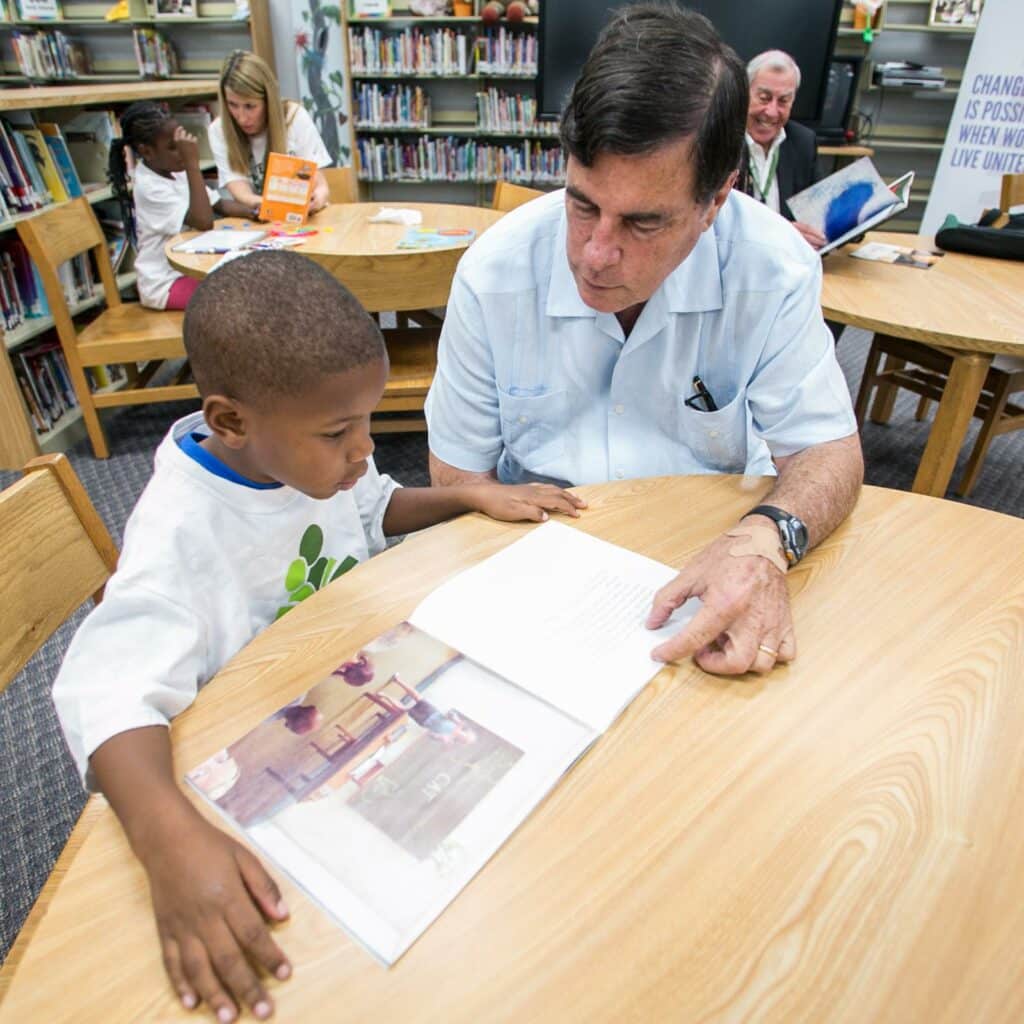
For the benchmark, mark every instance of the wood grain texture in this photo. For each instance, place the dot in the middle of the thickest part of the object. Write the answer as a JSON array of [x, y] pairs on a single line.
[[39, 96], [837, 841], [365, 256], [962, 302], [55, 553]]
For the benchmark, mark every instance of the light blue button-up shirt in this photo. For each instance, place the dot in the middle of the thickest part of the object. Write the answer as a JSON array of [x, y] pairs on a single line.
[[532, 381]]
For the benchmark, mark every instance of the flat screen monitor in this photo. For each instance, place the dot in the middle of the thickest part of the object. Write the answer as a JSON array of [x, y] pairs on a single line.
[[805, 29]]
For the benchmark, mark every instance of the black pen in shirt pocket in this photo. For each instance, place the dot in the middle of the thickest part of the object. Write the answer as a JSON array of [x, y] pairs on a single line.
[[701, 400]]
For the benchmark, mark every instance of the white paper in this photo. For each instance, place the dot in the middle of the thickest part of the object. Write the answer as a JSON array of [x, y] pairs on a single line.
[[389, 215], [219, 240], [560, 614]]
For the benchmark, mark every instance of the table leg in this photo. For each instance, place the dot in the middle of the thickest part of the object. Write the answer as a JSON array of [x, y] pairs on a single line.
[[959, 398], [885, 396]]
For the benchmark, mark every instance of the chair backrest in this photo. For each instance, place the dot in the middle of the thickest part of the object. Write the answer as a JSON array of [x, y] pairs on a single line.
[[342, 184], [54, 237], [1012, 193], [508, 196], [55, 553]]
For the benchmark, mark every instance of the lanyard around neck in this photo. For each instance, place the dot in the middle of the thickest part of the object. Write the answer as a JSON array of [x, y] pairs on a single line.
[[764, 188]]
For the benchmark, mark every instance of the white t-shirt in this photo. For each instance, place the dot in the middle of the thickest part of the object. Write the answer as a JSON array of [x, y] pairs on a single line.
[[301, 136], [202, 571], [160, 207], [765, 174]]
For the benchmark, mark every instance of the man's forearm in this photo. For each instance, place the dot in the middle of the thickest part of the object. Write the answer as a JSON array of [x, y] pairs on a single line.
[[820, 485], [444, 475]]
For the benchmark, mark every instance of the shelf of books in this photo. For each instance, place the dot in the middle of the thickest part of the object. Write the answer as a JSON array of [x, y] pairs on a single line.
[[47, 41], [434, 101]]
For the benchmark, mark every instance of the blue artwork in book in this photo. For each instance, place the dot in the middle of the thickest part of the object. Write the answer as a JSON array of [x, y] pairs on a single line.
[[850, 202], [845, 209]]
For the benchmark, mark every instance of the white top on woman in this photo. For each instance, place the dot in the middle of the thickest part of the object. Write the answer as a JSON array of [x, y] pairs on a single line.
[[302, 139]]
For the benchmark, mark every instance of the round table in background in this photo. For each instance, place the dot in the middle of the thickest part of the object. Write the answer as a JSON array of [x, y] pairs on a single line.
[[971, 307], [366, 258]]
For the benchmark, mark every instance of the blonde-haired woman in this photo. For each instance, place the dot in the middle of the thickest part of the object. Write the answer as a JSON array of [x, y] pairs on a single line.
[[253, 122]]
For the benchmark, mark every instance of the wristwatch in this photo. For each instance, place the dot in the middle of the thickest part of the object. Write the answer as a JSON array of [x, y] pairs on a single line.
[[792, 531]]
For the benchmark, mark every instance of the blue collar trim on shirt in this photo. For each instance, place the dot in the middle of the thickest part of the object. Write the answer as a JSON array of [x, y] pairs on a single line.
[[189, 444]]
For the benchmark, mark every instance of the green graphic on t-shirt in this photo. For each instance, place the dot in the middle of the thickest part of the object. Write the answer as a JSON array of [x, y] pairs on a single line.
[[311, 571]]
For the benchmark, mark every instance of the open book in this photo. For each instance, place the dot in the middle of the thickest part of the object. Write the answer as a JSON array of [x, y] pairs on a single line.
[[853, 200], [385, 787]]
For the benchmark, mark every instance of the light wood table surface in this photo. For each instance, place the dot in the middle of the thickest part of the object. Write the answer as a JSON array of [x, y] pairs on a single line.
[[840, 840], [366, 257], [969, 306]]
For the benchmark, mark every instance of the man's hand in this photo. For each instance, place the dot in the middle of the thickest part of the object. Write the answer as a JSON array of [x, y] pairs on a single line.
[[745, 613], [212, 898], [187, 146], [815, 239], [512, 503]]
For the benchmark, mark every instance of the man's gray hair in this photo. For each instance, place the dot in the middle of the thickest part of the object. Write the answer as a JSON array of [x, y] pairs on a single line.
[[773, 60]]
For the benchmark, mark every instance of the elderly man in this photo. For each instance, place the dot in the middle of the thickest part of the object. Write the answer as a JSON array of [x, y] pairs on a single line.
[[781, 157], [651, 320]]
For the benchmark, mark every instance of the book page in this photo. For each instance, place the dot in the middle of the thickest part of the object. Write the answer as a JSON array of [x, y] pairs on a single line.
[[220, 240], [843, 201], [561, 614], [386, 786]]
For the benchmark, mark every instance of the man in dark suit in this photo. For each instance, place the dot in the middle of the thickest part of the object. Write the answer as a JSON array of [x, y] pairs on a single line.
[[781, 156]]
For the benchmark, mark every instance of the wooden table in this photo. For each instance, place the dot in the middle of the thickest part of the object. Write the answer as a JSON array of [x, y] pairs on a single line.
[[970, 306], [365, 257], [840, 840]]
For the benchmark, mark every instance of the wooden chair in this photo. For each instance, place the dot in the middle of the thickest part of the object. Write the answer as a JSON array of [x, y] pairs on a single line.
[[508, 196], [342, 184], [924, 369], [125, 333], [1012, 192], [55, 553]]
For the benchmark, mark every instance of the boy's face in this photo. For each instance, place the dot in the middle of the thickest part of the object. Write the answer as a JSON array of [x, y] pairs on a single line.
[[317, 443]]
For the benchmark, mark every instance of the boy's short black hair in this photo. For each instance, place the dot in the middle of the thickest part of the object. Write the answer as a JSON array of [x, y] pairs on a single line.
[[274, 323]]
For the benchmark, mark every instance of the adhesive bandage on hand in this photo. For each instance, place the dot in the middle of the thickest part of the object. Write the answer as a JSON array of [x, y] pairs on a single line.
[[758, 540]]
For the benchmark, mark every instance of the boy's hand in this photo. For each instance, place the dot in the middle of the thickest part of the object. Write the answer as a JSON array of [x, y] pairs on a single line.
[[513, 502], [187, 146], [211, 897]]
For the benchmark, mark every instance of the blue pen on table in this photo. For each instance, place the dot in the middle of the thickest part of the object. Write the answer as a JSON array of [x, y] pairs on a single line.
[[701, 395]]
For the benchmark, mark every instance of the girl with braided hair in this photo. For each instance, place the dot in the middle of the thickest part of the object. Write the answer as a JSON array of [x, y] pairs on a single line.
[[168, 195]]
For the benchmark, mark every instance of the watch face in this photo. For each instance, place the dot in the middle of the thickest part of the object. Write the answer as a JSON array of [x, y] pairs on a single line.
[[796, 535]]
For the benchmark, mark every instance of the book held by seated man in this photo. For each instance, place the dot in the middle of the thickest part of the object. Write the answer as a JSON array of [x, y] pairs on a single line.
[[385, 787], [853, 200]]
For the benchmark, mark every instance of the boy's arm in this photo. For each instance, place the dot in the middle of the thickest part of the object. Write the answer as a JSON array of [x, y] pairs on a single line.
[[415, 508], [210, 894]]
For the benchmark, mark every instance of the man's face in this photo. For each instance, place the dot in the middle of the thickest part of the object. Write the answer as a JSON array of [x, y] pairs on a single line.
[[631, 221], [771, 101]]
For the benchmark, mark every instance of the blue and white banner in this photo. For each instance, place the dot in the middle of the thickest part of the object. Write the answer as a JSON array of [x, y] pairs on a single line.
[[985, 139]]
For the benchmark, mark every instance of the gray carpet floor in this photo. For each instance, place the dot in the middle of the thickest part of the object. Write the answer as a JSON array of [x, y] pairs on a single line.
[[42, 796]]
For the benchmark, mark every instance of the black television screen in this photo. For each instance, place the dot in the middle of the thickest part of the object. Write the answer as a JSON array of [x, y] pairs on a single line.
[[805, 29]]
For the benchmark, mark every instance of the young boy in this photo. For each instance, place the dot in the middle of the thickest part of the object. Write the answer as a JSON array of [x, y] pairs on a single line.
[[289, 367]]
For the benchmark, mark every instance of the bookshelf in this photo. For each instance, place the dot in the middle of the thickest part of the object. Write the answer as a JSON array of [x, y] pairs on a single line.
[[908, 125], [447, 102], [201, 42]]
